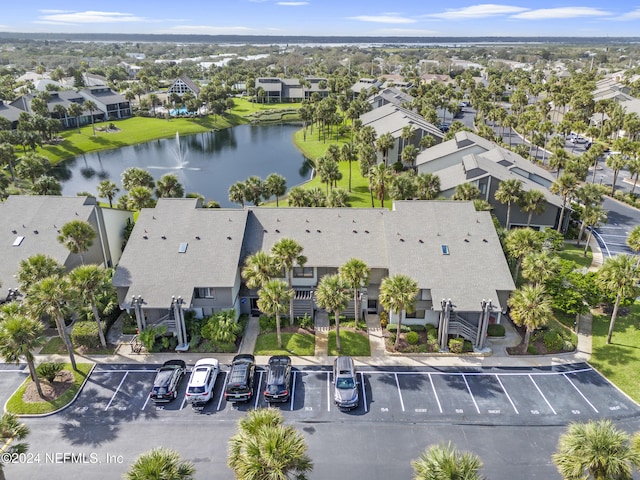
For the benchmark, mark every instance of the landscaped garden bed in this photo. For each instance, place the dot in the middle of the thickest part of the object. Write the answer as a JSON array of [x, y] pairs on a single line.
[[551, 339], [297, 339], [413, 339]]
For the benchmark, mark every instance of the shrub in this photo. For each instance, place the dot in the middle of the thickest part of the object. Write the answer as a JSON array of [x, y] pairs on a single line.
[[384, 319], [85, 334], [553, 340], [267, 324], [306, 321], [456, 345], [432, 343], [417, 328], [495, 330], [393, 327], [129, 325], [412, 338], [222, 328], [532, 350], [149, 335], [467, 346], [568, 346], [49, 370], [429, 326], [432, 334]]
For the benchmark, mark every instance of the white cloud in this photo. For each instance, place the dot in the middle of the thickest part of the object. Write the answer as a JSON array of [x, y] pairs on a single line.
[[292, 4], [89, 17], [477, 11], [562, 12], [49, 11], [632, 15], [382, 19]]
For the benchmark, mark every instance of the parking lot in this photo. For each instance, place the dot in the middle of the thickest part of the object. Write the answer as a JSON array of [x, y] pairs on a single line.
[[494, 396]]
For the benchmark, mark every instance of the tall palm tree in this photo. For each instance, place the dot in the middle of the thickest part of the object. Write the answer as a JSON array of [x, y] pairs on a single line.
[[51, 298], [533, 201], [275, 185], [379, 178], [355, 273], [531, 308], [19, 337], [466, 191], [90, 106], [32, 166], [446, 462], [287, 253], [409, 154], [633, 166], [108, 189], [633, 240], [7, 157], [264, 448], [89, 281], [140, 197], [273, 299], [160, 464], [36, 268], [509, 192], [258, 269], [237, 193], [169, 186], [11, 430], [77, 236], [618, 276], [349, 153], [384, 143], [398, 294], [564, 186], [538, 267], [75, 110], [136, 177], [597, 450], [333, 294], [427, 186], [615, 163], [594, 216], [521, 242]]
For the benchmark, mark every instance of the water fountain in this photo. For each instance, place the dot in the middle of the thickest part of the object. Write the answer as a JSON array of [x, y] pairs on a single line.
[[180, 157]]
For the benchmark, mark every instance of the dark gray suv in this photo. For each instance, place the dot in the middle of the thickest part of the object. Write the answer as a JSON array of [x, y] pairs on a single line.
[[345, 392]]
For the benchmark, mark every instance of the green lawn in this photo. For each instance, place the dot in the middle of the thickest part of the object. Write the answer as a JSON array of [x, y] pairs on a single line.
[[351, 343], [54, 346], [299, 344], [619, 361], [17, 406], [575, 254]]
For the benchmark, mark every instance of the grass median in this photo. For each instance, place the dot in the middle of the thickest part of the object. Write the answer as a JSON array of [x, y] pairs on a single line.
[[351, 343], [298, 344]]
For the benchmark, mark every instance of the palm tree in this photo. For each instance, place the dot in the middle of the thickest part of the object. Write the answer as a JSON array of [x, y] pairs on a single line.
[[597, 450], [384, 143], [355, 273], [564, 186], [427, 186], [508, 192], [169, 187], [46, 185], [379, 178], [90, 280], [633, 166], [466, 191], [409, 154], [11, 430], [521, 242], [615, 163], [108, 189], [445, 462], [90, 106], [160, 464], [7, 157], [139, 198], [594, 216], [75, 110], [77, 236], [398, 294], [287, 253], [254, 189], [258, 269], [32, 166], [332, 294], [275, 184], [531, 308], [19, 336], [533, 201], [36, 268], [618, 276], [50, 298], [136, 177], [237, 193], [273, 299], [633, 240], [538, 267], [349, 153], [264, 448]]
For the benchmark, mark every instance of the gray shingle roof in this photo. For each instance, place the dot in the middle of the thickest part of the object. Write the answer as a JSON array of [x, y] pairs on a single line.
[[153, 267], [104, 95], [391, 118], [26, 215]]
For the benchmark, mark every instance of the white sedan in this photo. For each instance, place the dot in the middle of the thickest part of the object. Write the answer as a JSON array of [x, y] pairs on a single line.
[[202, 380]]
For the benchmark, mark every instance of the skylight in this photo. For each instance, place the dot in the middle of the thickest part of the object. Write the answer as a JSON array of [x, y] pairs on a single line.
[[183, 247], [445, 249], [18, 241]]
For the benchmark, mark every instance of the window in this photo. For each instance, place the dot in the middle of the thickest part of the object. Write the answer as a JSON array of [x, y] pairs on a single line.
[[416, 314], [204, 292], [303, 272]]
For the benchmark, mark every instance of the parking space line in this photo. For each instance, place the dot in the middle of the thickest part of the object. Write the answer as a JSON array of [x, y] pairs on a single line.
[[293, 390], [328, 391], [507, 394], [184, 400], [477, 374], [364, 393], [581, 394], [470, 393], [116, 392], [97, 370], [222, 394], [435, 393], [255, 404], [542, 394], [399, 392]]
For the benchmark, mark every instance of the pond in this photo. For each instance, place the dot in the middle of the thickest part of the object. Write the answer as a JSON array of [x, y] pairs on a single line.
[[207, 163]]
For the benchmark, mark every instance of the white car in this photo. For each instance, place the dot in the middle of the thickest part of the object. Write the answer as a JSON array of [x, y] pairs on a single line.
[[202, 380]]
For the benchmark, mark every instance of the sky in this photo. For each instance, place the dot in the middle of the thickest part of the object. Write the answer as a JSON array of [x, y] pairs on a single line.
[[429, 18]]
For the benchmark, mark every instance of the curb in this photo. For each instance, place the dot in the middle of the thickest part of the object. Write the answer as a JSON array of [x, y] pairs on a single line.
[[64, 407]]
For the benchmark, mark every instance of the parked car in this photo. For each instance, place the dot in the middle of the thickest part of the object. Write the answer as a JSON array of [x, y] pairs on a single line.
[[165, 385], [202, 380], [239, 387], [278, 388], [444, 127], [345, 392]]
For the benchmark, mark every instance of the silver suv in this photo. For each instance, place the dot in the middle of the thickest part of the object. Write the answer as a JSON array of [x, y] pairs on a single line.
[[345, 392]]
